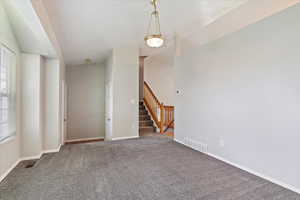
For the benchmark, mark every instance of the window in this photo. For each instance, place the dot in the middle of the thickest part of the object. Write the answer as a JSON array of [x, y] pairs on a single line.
[[7, 93]]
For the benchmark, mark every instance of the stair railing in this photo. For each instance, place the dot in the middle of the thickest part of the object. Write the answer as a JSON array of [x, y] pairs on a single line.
[[162, 115], [169, 116]]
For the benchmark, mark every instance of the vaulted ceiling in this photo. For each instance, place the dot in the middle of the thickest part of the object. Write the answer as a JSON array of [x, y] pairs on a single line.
[[91, 28], [28, 28]]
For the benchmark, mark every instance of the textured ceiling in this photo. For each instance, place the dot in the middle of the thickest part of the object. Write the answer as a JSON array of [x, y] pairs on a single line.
[[91, 28]]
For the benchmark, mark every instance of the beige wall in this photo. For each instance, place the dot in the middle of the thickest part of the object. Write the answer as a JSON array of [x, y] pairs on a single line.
[[122, 73], [141, 77], [160, 75], [125, 92], [32, 94], [41, 129], [52, 117], [86, 101]]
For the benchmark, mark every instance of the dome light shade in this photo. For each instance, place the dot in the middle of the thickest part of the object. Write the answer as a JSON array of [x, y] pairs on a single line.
[[154, 41], [154, 37]]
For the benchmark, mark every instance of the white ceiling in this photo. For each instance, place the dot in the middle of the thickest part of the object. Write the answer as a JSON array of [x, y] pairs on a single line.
[[91, 28], [28, 29], [246, 14]]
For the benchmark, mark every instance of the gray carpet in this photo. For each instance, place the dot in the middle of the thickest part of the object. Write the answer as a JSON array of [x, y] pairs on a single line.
[[149, 168]]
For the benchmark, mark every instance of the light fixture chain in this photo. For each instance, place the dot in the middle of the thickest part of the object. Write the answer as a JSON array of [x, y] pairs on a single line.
[[149, 25], [158, 23], [154, 2]]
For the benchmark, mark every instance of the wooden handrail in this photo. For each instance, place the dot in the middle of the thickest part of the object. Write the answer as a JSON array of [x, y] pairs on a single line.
[[169, 125], [152, 112], [151, 91], [162, 115], [168, 117], [162, 118]]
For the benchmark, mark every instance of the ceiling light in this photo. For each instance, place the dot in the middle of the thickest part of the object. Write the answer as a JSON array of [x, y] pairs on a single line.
[[88, 61], [154, 41], [154, 37]]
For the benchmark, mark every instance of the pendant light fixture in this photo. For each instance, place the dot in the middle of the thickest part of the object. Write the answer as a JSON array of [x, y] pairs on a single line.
[[154, 37]]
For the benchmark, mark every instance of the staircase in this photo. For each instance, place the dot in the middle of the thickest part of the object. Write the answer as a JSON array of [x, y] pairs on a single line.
[[162, 115], [145, 122]]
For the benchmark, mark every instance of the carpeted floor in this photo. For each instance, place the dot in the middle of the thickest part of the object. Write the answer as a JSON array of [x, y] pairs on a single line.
[[150, 168]]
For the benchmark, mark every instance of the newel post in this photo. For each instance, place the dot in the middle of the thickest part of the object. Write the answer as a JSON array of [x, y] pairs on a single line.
[[162, 118]]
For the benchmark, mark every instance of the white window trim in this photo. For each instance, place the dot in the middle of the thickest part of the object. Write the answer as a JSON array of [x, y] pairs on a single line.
[[10, 135]]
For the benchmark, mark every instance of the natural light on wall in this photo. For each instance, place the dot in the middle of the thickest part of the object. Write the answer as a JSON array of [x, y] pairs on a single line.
[[7, 93]]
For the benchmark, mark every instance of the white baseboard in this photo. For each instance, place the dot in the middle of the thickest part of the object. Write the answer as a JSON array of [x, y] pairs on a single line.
[[52, 150], [178, 141], [32, 157], [84, 139], [125, 138], [273, 180], [2, 177]]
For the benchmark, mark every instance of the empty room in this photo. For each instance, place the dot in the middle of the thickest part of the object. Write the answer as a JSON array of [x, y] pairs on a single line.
[[149, 100]]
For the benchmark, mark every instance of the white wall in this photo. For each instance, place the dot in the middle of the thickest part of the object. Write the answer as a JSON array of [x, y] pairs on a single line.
[[122, 70], [52, 100], [41, 85], [86, 101], [240, 95], [32, 94], [41, 120], [109, 98], [160, 75], [10, 150]]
